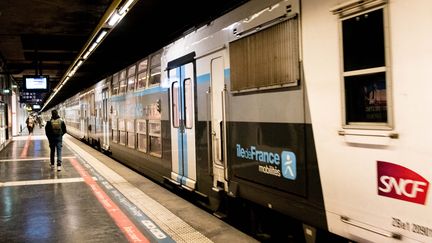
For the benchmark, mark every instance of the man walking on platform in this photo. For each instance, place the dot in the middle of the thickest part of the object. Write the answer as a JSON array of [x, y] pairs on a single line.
[[54, 130], [30, 124]]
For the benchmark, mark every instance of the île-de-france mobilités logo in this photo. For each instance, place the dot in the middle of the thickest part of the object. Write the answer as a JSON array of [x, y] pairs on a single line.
[[289, 169]]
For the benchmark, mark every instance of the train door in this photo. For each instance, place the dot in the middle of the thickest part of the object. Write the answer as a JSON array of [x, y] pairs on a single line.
[[182, 108], [218, 122], [105, 126]]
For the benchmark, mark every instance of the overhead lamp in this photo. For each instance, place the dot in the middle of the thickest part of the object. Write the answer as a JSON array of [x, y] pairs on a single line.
[[79, 63], [92, 47], [125, 7], [101, 35], [115, 17], [86, 54]]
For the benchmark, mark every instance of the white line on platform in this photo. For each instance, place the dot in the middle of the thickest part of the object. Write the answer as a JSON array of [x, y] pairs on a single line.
[[41, 182], [33, 137], [35, 159]]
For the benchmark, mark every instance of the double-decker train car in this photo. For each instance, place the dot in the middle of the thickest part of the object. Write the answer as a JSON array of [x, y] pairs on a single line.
[[305, 109]]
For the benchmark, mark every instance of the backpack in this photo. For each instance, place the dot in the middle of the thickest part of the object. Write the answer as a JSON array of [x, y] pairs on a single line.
[[30, 122], [56, 126]]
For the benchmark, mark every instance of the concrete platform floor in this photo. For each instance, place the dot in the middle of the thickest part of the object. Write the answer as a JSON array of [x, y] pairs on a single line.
[[92, 199]]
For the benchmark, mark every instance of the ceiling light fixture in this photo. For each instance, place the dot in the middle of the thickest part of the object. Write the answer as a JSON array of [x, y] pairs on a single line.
[[101, 35], [114, 19], [112, 16]]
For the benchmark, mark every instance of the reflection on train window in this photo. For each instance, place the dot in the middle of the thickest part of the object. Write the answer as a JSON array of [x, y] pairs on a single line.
[[175, 104], [122, 131], [122, 81], [115, 84], [114, 134], [142, 74], [130, 126], [267, 59], [131, 78], [363, 41], [188, 103], [155, 76], [365, 69], [366, 99], [155, 146], [155, 70], [142, 135]]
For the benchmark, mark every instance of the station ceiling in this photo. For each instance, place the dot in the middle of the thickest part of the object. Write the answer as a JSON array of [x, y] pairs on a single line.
[[46, 36]]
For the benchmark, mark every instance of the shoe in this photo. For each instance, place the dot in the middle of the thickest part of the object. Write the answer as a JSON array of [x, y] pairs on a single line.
[[59, 168], [52, 167]]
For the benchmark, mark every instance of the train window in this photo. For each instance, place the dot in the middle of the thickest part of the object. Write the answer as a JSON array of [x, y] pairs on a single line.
[[142, 80], [131, 78], [141, 127], [142, 74], [267, 59], [122, 131], [188, 103], [142, 65], [122, 81], [175, 104], [115, 84], [155, 146], [365, 68], [155, 70], [122, 75], [130, 126]]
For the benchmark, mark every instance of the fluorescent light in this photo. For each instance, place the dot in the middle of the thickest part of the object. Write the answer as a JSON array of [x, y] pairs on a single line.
[[125, 7], [86, 54], [102, 34], [92, 47], [114, 19], [79, 63]]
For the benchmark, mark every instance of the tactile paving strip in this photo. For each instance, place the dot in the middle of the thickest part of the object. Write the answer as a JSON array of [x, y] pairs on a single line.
[[179, 230]]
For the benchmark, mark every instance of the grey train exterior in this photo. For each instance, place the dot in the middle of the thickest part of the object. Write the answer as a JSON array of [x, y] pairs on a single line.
[[272, 105]]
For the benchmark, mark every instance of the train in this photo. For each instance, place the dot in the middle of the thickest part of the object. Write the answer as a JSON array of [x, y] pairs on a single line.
[[301, 108]]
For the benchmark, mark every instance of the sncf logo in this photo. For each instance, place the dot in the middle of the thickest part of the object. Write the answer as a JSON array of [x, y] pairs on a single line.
[[398, 182]]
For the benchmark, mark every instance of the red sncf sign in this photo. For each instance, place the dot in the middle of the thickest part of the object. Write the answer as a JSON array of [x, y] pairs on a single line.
[[398, 182]]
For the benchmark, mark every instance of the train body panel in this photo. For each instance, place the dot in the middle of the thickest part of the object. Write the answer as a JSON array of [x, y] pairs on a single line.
[[290, 105], [374, 181]]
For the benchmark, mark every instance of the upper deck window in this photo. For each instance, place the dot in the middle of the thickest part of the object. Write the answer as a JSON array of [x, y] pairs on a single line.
[[115, 84], [131, 78], [122, 81], [155, 70], [142, 74], [366, 78]]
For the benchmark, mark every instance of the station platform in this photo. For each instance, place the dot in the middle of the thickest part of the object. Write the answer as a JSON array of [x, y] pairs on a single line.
[[92, 199]]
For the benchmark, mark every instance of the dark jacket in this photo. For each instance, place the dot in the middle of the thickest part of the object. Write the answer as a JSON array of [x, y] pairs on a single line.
[[49, 131]]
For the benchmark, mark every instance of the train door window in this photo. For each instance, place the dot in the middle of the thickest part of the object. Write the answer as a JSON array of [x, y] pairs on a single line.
[[114, 130], [188, 103], [131, 78], [155, 146], [122, 131], [365, 60], [122, 81], [155, 70], [141, 127], [267, 59], [142, 74], [175, 104], [130, 126], [115, 84]]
